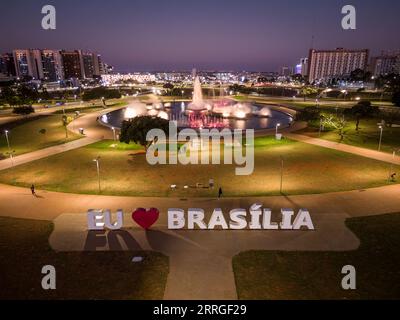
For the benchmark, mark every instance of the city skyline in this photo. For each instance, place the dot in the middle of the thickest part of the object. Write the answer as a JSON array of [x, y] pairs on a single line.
[[154, 36]]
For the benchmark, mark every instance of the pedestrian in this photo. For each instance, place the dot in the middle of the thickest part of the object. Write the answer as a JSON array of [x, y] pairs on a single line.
[[33, 190], [393, 177], [220, 192]]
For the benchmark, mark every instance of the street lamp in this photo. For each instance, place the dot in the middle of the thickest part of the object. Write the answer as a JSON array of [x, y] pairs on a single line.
[[113, 129], [391, 164], [10, 153], [281, 183], [97, 160], [276, 128], [380, 138], [8, 141], [182, 92], [344, 94]]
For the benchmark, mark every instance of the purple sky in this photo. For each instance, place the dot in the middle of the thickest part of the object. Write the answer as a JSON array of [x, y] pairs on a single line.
[[151, 35]]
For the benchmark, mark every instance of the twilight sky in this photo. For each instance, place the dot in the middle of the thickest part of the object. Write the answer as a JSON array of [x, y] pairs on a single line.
[[148, 35]]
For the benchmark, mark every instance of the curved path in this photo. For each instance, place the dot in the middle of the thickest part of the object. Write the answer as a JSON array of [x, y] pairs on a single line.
[[200, 261]]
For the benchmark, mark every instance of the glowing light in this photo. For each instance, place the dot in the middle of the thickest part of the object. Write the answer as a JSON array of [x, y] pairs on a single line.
[[240, 114], [130, 113], [163, 115]]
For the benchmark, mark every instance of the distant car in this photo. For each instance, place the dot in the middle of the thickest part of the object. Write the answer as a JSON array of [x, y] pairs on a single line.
[[46, 106], [60, 103]]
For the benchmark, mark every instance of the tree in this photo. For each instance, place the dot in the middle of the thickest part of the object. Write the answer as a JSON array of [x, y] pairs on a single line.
[[65, 121], [100, 93], [309, 114], [360, 75], [338, 123], [20, 96], [137, 128], [396, 98], [24, 110], [362, 110], [168, 86], [306, 91]]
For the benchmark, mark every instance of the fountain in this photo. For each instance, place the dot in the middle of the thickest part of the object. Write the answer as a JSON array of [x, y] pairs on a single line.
[[219, 113], [198, 104]]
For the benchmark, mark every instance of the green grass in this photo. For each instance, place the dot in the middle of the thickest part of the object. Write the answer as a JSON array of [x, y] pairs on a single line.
[[71, 111], [307, 169], [24, 249], [114, 145], [26, 137], [367, 136], [271, 275]]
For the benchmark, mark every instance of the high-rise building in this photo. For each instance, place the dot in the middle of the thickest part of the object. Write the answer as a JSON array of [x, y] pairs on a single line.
[[7, 66], [98, 65], [72, 64], [328, 64], [304, 67], [52, 66], [87, 64], [39, 64], [387, 62], [24, 63], [286, 71]]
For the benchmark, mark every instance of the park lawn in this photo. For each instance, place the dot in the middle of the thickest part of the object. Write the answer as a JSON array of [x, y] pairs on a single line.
[[367, 137], [307, 169], [24, 249], [280, 275], [26, 137]]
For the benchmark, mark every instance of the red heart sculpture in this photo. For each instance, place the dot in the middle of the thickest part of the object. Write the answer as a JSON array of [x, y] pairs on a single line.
[[145, 218]]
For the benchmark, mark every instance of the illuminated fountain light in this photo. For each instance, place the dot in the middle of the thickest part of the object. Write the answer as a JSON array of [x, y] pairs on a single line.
[[265, 112], [163, 115], [240, 114], [152, 112], [198, 103], [104, 118], [135, 109]]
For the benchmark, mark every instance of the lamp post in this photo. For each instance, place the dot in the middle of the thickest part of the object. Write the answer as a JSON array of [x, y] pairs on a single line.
[[182, 92], [344, 94], [276, 128], [10, 153], [281, 184], [8, 141], [391, 164], [113, 129], [97, 160], [380, 138]]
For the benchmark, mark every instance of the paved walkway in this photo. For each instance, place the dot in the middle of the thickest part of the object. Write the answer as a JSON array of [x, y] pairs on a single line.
[[368, 153], [43, 153]]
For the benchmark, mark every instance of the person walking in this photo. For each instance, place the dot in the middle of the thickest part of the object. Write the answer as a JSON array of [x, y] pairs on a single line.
[[220, 192], [33, 190]]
